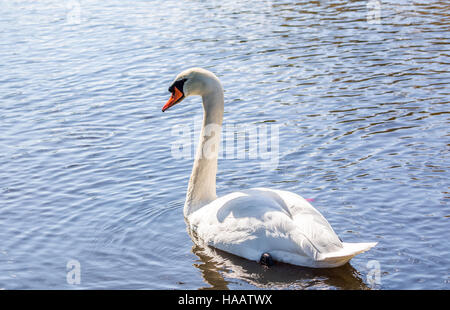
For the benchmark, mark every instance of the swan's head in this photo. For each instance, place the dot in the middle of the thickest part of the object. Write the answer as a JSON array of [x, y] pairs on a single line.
[[192, 82]]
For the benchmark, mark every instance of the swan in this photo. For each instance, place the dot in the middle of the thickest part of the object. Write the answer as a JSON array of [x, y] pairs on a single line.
[[259, 224]]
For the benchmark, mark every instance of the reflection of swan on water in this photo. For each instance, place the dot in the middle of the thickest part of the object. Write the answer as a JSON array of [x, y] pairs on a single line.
[[220, 270], [254, 223]]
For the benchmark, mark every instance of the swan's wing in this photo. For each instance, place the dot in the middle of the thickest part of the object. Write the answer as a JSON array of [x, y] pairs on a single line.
[[309, 222], [250, 222], [239, 223]]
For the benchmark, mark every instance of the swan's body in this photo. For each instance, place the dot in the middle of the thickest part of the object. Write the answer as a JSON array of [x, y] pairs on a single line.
[[252, 222]]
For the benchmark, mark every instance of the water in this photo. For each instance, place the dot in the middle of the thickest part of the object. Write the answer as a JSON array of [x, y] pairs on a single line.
[[86, 172]]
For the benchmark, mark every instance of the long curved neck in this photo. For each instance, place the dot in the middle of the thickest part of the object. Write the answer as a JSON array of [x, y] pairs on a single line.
[[202, 184]]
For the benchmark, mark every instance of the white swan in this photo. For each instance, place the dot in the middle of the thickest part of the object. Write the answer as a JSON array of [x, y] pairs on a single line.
[[256, 223]]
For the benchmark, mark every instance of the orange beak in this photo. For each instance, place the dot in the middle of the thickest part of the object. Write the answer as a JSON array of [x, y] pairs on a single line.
[[176, 97]]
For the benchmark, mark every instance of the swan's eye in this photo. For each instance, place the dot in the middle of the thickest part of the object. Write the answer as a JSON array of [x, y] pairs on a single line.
[[178, 84]]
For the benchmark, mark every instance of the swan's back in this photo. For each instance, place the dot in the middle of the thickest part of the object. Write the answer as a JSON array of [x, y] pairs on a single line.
[[251, 222]]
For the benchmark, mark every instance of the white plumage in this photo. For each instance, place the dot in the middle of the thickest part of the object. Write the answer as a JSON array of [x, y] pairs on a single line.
[[261, 220]]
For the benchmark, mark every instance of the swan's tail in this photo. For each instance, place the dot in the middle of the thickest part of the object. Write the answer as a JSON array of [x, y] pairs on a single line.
[[340, 257]]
